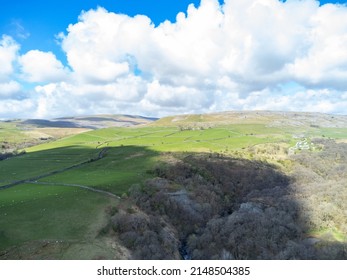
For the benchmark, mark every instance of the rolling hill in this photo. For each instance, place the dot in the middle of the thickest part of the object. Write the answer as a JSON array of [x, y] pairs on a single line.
[[100, 190], [18, 134]]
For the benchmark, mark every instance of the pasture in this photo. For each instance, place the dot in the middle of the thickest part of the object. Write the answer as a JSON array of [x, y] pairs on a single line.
[[45, 202]]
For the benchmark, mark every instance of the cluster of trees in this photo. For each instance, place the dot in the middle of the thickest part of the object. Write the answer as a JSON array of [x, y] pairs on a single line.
[[213, 207], [321, 189]]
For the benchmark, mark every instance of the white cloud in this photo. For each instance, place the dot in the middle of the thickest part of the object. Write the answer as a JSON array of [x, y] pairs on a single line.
[[166, 96], [8, 53], [98, 46], [240, 55], [38, 66], [9, 89], [325, 63], [13, 109], [187, 50], [63, 98]]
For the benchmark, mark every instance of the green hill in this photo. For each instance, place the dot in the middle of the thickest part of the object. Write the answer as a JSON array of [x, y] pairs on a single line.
[[19, 134], [62, 199]]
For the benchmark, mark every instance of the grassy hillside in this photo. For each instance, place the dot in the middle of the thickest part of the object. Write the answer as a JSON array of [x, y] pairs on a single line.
[[49, 199], [19, 134], [15, 136], [276, 119]]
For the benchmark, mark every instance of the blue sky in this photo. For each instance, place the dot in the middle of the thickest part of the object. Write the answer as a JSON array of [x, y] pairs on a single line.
[[35, 23], [215, 57]]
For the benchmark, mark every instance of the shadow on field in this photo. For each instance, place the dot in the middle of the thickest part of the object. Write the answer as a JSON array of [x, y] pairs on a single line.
[[53, 199], [179, 206], [74, 164], [202, 206]]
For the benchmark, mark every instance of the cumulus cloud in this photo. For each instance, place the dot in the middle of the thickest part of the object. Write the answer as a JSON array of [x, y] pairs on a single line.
[[8, 54], [100, 45], [56, 99], [12, 108], [244, 54], [9, 89], [325, 62], [38, 66]]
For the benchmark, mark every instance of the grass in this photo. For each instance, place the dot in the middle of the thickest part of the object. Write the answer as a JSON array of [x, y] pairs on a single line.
[[340, 133], [37, 212], [116, 172], [53, 211], [42, 162], [15, 135], [10, 133], [332, 234]]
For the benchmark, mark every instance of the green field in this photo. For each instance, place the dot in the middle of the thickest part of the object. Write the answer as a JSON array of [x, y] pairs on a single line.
[[10, 133], [32, 212], [41, 199]]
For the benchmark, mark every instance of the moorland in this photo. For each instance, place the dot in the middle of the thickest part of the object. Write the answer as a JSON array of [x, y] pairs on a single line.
[[231, 185]]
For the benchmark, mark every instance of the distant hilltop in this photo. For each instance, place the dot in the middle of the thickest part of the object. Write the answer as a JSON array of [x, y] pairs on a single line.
[[90, 122], [270, 118]]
